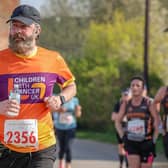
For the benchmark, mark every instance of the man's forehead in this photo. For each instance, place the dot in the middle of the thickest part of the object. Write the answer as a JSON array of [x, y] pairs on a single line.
[[17, 22]]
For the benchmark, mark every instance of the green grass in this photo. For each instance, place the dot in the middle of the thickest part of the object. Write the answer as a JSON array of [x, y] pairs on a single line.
[[97, 136], [159, 145], [110, 137]]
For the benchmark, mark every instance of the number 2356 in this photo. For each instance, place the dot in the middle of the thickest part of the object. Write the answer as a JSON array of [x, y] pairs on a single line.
[[21, 137]]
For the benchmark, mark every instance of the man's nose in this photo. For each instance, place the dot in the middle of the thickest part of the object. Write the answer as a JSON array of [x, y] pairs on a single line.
[[18, 30]]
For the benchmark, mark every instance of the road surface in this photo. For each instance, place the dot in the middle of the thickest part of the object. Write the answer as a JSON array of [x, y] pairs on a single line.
[[91, 154]]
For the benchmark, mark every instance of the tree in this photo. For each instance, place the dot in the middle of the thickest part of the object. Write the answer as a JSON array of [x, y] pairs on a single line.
[[110, 53]]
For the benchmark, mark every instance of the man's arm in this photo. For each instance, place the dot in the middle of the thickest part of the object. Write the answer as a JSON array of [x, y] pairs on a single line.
[[119, 119], [157, 103], [155, 116], [69, 91], [113, 116], [54, 102], [78, 111], [158, 98]]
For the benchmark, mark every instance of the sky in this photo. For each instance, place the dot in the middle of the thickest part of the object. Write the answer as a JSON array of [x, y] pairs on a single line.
[[35, 3], [38, 3]]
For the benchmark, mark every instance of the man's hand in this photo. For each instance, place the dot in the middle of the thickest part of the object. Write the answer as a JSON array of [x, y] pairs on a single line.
[[53, 103], [9, 108]]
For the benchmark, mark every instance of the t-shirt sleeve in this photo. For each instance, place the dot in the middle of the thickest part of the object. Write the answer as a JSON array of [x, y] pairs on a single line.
[[65, 75]]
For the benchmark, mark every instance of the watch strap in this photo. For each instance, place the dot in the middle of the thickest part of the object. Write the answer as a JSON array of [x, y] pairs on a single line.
[[62, 98]]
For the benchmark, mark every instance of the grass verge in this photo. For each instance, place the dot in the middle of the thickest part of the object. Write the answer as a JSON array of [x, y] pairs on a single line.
[[97, 136]]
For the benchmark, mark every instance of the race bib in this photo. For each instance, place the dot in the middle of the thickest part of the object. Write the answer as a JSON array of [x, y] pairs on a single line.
[[136, 126], [66, 118], [23, 133]]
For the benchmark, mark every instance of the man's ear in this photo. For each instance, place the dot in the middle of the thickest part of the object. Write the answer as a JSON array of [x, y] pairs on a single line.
[[38, 30]]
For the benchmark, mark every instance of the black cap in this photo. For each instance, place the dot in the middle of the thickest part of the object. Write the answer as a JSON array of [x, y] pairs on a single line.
[[26, 14]]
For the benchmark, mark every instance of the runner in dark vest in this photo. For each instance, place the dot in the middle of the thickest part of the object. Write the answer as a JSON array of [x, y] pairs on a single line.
[[161, 100], [125, 96], [142, 126]]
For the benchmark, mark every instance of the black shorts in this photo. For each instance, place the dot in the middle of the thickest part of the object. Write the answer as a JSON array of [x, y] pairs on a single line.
[[165, 144], [145, 149]]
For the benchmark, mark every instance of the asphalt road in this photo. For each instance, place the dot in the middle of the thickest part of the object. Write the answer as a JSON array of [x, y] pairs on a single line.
[[91, 154]]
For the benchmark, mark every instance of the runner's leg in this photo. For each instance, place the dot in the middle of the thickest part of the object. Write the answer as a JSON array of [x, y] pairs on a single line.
[[134, 161]]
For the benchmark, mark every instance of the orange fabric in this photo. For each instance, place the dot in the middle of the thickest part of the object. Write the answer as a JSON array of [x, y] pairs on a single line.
[[36, 77]]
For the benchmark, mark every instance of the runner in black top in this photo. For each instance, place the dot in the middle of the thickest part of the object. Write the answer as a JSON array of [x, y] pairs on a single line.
[[142, 126], [121, 152], [161, 99]]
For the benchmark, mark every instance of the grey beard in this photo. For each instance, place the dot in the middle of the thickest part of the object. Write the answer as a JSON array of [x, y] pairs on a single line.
[[21, 47]]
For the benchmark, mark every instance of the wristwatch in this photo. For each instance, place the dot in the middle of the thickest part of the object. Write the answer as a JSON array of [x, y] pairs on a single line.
[[62, 98]]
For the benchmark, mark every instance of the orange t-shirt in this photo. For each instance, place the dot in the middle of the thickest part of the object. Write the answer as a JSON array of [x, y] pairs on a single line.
[[36, 77]]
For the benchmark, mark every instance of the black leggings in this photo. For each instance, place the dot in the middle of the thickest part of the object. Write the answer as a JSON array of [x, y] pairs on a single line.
[[65, 138]]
